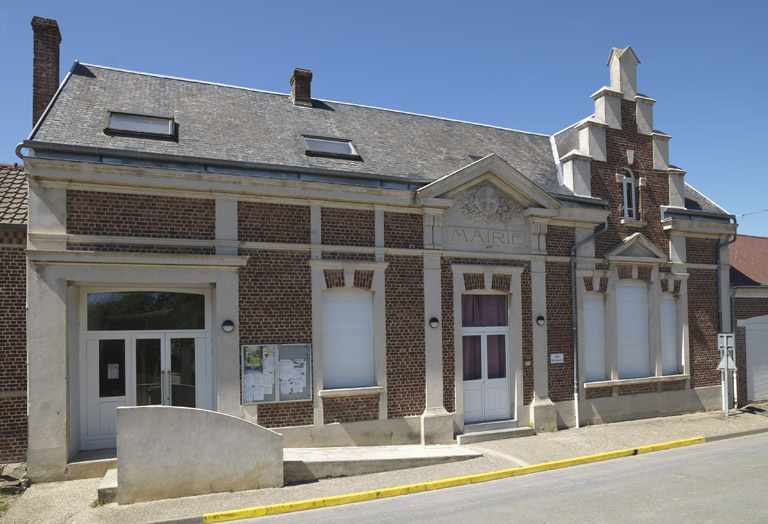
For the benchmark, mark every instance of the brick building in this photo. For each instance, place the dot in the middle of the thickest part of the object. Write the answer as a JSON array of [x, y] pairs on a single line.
[[353, 275], [13, 334]]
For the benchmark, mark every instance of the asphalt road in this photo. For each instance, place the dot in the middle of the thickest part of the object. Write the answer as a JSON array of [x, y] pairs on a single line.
[[724, 481]]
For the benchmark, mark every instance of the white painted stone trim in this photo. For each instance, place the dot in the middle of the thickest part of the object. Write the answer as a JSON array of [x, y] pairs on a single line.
[[633, 381], [351, 392]]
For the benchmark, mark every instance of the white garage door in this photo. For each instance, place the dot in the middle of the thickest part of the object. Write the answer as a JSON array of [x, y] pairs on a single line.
[[757, 361]]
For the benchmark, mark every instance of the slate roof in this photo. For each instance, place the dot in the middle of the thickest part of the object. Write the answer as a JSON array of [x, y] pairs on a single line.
[[749, 261], [13, 195], [263, 129], [245, 125]]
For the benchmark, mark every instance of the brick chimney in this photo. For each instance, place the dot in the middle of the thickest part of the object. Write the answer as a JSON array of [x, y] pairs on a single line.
[[45, 65], [301, 79]]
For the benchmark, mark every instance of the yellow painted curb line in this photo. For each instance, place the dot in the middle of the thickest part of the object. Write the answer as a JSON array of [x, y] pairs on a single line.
[[273, 509]]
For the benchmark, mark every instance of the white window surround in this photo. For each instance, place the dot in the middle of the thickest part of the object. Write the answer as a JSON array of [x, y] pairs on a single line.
[[377, 291], [594, 336], [669, 288], [633, 352], [670, 345], [628, 187]]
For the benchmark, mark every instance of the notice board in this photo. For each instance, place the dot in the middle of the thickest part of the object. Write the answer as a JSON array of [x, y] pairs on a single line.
[[276, 372]]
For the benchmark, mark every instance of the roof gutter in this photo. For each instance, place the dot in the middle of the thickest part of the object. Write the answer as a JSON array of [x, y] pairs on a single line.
[[203, 163]]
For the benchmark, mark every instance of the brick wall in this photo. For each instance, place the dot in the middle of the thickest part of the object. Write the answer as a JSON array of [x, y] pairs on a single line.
[[350, 409], [560, 240], [13, 353], [406, 375], [701, 250], [559, 330], [347, 227], [403, 230], [745, 308], [141, 248], [648, 199], [128, 215], [276, 308], [703, 327], [267, 222]]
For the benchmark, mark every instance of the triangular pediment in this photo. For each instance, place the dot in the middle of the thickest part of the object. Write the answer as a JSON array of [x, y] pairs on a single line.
[[494, 172], [636, 248]]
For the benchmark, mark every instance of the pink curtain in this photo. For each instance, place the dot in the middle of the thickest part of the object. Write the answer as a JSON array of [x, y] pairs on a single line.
[[472, 356], [497, 365], [483, 310]]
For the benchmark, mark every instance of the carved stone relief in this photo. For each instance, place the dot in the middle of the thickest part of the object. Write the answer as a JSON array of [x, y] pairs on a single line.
[[484, 203]]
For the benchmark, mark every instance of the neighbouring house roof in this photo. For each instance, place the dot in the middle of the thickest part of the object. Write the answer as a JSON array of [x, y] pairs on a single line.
[[13, 195], [749, 261], [264, 130]]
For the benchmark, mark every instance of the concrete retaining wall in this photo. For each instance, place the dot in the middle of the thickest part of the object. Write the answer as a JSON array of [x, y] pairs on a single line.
[[168, 452]]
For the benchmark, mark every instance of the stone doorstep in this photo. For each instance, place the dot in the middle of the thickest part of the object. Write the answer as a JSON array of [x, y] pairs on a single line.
[[90, 469], [107, 491], [496, 434]]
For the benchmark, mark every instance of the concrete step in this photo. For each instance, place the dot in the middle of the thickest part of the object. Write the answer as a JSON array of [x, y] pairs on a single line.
[[496, 434], [107, 491], [90, 469], [490, 426], [309, 464]]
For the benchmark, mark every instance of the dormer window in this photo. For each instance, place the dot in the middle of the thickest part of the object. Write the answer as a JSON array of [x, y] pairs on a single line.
[[628, 190], [330, 147], [140, 125]]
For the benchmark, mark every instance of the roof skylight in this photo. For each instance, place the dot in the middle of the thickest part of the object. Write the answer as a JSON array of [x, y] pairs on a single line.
[[140, 125], [330, 147]]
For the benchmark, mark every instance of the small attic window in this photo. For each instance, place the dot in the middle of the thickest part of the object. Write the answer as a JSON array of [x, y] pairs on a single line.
[[330, 147], [140, 125]]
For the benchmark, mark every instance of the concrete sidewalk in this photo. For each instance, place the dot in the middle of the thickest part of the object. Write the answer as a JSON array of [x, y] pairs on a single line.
[[71, 501]]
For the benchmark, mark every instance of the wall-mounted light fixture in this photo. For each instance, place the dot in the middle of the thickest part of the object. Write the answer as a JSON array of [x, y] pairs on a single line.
[[228, 326], [540, 320], [434, 322]]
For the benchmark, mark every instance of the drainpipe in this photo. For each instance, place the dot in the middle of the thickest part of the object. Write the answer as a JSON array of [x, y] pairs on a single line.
[[724, 374], [573, 316]]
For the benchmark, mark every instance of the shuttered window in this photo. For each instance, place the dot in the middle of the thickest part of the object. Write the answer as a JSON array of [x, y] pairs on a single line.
[[669, 345], [632, 324], [594, 337], [347, 346]]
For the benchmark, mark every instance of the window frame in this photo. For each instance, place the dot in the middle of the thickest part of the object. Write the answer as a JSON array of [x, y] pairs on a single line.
[[110, 130], [628, 190], [308, 151]]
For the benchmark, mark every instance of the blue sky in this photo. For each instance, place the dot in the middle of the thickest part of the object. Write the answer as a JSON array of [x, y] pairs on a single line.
[[522, 65]]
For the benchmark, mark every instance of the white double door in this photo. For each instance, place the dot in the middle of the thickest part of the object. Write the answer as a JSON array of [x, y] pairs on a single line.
[[140, 369], [486, 374]]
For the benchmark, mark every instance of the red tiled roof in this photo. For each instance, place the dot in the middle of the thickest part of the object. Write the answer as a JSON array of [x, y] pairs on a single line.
[[749, 257]]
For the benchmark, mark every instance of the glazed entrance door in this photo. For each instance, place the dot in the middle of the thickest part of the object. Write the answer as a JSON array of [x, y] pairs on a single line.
[[166, 370], [485, 358], [141, 348]]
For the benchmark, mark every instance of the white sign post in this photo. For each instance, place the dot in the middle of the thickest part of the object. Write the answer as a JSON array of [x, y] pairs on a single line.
[[725, 343]]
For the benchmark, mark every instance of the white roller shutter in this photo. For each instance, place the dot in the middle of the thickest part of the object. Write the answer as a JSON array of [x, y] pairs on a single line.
[[594, 337], [632, 321], [669, 345], [347, 350], [757, 361]]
